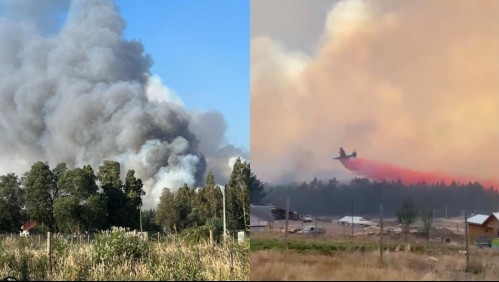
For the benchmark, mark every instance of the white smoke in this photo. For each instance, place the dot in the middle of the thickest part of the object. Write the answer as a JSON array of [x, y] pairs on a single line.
[[81, 93]]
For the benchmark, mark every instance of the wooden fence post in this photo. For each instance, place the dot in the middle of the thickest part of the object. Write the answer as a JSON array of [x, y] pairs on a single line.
[[211, 238], [467, 245], [381, 233], [286, 229], [49, 250]]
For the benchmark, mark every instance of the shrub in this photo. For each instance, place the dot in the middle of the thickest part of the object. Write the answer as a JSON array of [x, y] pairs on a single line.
[[117, 246]]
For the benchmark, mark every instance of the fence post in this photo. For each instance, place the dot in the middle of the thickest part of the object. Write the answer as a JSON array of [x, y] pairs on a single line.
[[381, 233], [49, 250], [211, 238], [286, 229], [352, 219], [466, 238]]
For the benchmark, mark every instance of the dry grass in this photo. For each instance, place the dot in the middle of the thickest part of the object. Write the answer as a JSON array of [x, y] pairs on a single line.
[[272, 265], [319, 259], [177, 260]]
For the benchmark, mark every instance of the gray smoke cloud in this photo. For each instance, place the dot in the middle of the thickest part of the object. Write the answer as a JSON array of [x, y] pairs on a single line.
[[78, 92]]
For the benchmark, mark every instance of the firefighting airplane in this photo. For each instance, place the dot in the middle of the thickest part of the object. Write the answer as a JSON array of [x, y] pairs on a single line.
[[343, 155]]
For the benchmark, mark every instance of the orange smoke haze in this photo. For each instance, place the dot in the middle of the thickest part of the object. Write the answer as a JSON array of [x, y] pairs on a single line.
[[382, 171], [412, 83]]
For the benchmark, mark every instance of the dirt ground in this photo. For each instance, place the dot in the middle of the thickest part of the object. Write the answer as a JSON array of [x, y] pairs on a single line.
[[445, 260], [452, 227]]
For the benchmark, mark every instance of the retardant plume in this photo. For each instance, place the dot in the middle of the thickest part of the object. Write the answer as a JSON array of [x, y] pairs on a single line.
[[383, 171], [78, 92], [413, 83]]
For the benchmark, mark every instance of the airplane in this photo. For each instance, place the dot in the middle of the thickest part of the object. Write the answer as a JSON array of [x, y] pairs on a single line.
[[343, 155]]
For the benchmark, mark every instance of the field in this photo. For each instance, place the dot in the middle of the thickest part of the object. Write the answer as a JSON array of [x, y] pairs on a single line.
[[337, 256], [117, 256]]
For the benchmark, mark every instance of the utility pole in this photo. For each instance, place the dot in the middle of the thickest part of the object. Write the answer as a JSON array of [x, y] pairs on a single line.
[[286, 229], [381, 233], [140, 213], [225, 221], [352, 219], [466, 238]]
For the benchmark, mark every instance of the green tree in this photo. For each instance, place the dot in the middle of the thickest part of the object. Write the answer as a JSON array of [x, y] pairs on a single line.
[[149, 221], [208, 201], [109, 178], [77, 182], [237, 197], [134, 192], [166, 215], [11, 202], [406, 216], [427, 218], [79, 206], [40, 194], [67, 213], [95, 214], [257, 189], [183, 204], [57, 172]]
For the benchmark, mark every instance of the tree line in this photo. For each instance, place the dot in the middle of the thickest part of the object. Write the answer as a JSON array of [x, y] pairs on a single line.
[[77, 200], [192, 208], [334, 198]]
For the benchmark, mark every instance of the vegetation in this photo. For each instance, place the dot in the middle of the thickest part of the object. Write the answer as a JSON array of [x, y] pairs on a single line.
[[331, 258], [406, 216], [257, 190], [427, 219], [272, 265], [335, 198], [117, 256], [79, 201], [69, 200]]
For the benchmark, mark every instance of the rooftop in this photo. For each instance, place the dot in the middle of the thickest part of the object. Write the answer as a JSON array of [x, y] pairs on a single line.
[[479, 219]]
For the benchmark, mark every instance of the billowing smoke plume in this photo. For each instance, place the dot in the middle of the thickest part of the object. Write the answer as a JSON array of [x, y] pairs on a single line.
[[80, 93], [382, 171], [412, 83]]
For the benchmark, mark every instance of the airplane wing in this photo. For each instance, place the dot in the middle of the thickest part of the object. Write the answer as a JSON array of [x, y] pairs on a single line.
[[342, 153]]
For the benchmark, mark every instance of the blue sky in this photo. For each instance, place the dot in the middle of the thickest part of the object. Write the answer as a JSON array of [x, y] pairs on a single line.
[[201, 51]]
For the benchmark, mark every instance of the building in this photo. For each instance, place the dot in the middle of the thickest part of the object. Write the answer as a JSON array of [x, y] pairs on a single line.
[[26, 227], [480, 226], [261, 218]]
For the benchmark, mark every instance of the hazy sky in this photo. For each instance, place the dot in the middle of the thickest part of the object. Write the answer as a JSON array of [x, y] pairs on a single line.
[[412, 83], [298, 24]]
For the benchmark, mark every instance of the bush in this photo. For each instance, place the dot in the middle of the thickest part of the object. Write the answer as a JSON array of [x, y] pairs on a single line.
[[196, 234], [217, 225], [117, 246]]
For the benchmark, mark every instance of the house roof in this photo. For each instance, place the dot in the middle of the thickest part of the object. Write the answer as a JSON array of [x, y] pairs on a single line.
[[356, 219], [478, 219], [263, 214], [28, 225], [481, 219]]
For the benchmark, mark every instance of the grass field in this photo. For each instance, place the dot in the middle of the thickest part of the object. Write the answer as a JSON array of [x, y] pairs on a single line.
[[334, 258], [118, 257]]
